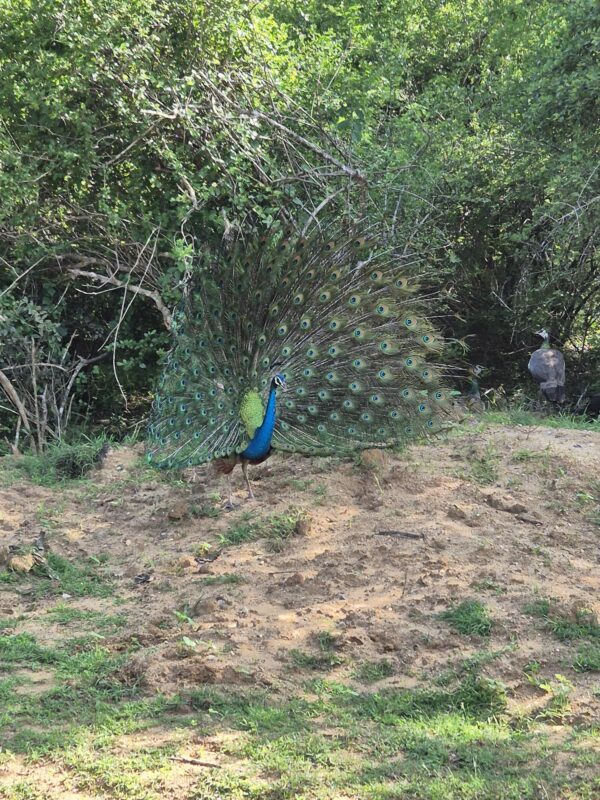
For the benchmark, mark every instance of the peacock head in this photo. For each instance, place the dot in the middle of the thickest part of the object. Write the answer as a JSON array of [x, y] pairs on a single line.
[[477, 370], [543, 333], [279, 382]]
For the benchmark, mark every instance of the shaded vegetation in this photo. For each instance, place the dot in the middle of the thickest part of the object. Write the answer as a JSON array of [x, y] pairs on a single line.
[[132, 135]]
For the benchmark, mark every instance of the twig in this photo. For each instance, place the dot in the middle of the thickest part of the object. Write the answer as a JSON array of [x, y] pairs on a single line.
[[103, 279], [195, 761], [14, 398], [137, 140], [402, 534]]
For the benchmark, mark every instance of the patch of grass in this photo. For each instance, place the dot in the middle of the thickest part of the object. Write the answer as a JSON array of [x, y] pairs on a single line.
[[318, 661], [300, 484], [490, 586], [22, 648], [526, 456], [228, 578], [420, 744], [470, 617], [277, 529], [483, 465], [60, 462], [587, 658], [518, 416], [77, 579], [558, 707], [242, 530], [373, 671], [63, 614], [281, 527], [8, 624], [205, 510], [580, 624], [470, 666]]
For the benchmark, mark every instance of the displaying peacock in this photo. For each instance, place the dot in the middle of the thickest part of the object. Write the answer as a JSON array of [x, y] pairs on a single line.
[[316, 345], [547, 367]]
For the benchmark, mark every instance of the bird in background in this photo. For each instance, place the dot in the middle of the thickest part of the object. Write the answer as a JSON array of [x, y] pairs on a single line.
[[547, 367], [314, 344], [473, 399]]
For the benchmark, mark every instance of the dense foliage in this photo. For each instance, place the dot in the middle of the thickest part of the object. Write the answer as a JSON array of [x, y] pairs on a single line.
[[133, 133]]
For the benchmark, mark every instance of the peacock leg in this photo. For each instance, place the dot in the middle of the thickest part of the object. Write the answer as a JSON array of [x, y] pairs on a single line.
[[229, 505], [245, 471]]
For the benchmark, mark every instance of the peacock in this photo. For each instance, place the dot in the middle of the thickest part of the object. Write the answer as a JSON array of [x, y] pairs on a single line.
[[473, 399], [547, 366], [315, 344]]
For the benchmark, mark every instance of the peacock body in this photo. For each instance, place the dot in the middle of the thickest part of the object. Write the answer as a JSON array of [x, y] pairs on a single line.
[[332, 318]]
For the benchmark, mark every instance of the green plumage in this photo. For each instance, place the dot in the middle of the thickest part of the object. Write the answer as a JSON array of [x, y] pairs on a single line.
[[340, 317]]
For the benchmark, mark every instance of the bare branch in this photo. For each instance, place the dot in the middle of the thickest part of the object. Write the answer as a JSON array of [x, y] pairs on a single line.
[[14, 398], [110, 279]]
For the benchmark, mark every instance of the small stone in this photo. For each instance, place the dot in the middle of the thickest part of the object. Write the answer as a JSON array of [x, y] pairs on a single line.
[[203, 606], [456, 512], [297, 579], [178, 512], [303, 526]]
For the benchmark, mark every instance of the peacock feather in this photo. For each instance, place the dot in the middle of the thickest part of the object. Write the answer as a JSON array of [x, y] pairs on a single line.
[[334, 317]]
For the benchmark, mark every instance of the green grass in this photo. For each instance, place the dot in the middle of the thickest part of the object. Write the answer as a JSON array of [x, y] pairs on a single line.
[[483, 466], [59, 463], [276, 529], [454, 742], [517, 416], [227, 579], [587, 658], [470, 618], [373, 671], [581, 624], [205, 510], [65, 615], [78, 579], [324, 660]]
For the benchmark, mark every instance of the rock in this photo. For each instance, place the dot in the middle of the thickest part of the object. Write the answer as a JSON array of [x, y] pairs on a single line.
[[178, 511], [303, 526], [297, 579], [457, 512], [232, 675], [187, 562], [505, 503], [203, 606], [374, 459]]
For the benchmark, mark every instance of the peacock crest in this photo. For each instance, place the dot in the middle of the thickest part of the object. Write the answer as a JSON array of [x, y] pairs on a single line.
[[334, 317]]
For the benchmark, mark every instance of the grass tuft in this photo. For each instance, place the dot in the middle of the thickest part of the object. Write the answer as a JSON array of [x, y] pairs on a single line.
[[587, 658], [470, 618], [581, 624], [59, 462], [373, 671]]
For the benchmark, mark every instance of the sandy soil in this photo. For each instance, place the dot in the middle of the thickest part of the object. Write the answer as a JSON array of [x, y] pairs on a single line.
[[503, 515]]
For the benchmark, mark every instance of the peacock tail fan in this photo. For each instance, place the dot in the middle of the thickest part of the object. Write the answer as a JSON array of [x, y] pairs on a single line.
[[338, 314]]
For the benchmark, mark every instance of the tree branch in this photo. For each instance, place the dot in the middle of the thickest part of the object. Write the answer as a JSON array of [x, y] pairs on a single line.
[[110, 279]]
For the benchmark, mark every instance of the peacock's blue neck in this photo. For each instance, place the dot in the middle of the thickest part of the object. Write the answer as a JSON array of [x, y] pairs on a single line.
[[260, 443]]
